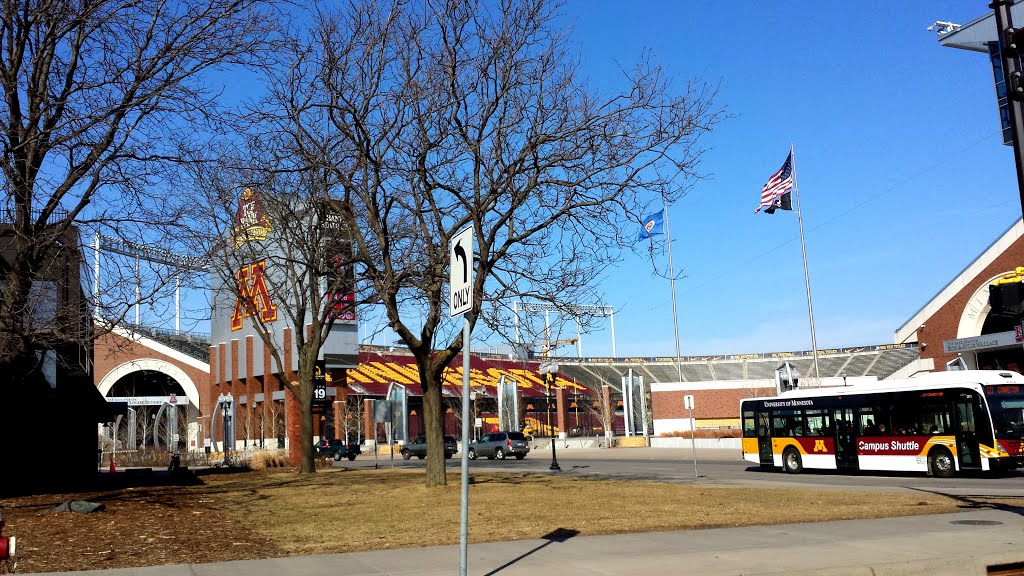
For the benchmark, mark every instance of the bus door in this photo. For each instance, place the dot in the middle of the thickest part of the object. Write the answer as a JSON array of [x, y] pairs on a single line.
[[966, 419], [764, 439], [846, 439]]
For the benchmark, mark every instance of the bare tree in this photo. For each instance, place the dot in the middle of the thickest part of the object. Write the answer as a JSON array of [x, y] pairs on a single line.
[[281, 265], [418, 120], [101, 98], [248, 415], [353, 420], [602, 408]]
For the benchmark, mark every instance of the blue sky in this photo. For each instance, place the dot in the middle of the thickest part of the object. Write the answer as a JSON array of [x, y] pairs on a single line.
[[903, 178]]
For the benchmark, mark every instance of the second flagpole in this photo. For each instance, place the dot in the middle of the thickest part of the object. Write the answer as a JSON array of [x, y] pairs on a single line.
[[672, 280], [803, 251]]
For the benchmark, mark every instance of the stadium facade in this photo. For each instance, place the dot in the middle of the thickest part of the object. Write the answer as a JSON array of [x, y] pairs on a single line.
[[956, 328]]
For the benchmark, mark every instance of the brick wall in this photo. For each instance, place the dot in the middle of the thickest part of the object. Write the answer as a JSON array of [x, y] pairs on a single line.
[[943, 324], [112, 350], [707, 403]]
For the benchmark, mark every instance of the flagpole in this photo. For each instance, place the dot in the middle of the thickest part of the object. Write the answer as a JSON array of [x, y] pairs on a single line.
[[672, 279], [803, 250]]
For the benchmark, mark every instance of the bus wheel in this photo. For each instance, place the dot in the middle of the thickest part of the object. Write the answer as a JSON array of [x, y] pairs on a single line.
[[940, 462], [791, 461]]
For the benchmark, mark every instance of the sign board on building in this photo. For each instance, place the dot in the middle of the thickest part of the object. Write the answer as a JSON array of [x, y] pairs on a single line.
[[460, 278], [141, 400], [983, 342], [320, 388]]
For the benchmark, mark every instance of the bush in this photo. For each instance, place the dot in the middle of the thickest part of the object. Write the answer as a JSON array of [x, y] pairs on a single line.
[[264, 459]]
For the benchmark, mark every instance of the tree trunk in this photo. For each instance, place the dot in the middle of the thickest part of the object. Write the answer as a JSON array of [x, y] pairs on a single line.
[[433, 420], [307, 464]]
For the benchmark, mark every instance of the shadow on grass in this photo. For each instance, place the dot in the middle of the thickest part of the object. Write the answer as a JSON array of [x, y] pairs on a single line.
[[982, 501], [556, 535]]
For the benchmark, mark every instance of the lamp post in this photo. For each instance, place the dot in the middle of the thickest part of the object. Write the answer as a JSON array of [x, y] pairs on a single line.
[[550, 372], [472, 408]]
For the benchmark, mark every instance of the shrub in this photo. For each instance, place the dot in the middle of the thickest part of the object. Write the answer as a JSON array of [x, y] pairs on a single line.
[[264, 459]]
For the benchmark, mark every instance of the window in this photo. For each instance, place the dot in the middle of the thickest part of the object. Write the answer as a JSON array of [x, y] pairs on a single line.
[[42, 304], [749, 424], [787, 423], [819, 423]]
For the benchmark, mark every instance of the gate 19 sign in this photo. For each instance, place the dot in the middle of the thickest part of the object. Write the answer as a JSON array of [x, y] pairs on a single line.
[[320, 388]]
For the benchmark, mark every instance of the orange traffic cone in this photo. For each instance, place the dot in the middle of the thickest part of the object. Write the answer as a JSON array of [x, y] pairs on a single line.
[[112, 467]]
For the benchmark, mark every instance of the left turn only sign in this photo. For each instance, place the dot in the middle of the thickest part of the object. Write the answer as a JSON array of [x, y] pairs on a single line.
[[460, 261]]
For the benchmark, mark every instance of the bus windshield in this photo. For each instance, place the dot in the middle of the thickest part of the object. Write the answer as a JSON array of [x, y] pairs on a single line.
[[1007, 406]]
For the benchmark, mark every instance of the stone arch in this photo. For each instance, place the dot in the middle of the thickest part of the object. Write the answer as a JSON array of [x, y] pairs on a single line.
[[972, 319], [154, 365]]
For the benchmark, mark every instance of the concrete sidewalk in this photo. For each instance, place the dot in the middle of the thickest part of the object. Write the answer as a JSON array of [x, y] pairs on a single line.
[[951, 544]]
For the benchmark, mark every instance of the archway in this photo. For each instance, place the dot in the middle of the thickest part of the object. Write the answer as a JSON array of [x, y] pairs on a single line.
[[977, 319], [152, 378]]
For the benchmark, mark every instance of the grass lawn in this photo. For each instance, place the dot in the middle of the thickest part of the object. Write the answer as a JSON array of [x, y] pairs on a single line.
[[250, 515], [342, 510]]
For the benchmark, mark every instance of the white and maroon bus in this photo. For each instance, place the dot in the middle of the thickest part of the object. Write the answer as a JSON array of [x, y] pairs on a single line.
[[937, 423]]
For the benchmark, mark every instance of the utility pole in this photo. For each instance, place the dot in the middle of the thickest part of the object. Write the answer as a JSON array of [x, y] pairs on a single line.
[[1011, 47]]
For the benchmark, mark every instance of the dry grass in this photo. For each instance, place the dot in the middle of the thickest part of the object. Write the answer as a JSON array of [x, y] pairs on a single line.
[[248, 515], [266, 459], [349, 510]]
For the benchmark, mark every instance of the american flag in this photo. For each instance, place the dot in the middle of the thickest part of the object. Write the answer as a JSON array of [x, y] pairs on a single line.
[[780, 183]]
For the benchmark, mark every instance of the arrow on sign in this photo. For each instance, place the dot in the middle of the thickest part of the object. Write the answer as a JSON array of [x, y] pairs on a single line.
[[460, 252]]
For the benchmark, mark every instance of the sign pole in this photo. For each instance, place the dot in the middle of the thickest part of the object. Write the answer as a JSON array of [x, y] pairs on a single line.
[[688, 401], [460, 301], [464, 512]]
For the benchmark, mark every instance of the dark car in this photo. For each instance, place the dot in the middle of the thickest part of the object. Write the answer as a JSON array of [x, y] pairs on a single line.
[[337, 449], [418, 447], [499, 445]]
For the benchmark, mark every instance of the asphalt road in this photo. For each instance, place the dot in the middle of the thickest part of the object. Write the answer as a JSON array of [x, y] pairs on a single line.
[[714, 467]]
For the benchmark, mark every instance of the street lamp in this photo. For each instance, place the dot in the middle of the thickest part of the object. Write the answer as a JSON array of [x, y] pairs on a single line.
[[472, 409], [550, 372]]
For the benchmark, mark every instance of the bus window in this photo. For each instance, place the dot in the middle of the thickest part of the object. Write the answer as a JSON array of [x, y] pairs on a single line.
[[787, 423], [749, 424], [819, 423]]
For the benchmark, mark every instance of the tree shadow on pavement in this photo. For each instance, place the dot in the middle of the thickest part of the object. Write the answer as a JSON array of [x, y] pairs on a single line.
[[556, 535]]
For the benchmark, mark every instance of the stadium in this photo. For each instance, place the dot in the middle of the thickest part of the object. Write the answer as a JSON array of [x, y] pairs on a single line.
[[959, 327]]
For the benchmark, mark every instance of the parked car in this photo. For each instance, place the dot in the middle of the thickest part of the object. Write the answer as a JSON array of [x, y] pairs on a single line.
[[337, 449], [418, 447], [499, 445]]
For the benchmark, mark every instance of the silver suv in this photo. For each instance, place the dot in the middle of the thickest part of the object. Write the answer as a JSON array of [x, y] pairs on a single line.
[[499, 445]]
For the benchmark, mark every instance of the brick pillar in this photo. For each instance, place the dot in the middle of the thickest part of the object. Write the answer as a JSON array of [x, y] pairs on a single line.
[[252, 387], [286, 346], [560, 406], [235, 388], [210, 401], [222, 388], [340, 404], [339, 419], [270, 407], [293, 429], [369, 430]]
